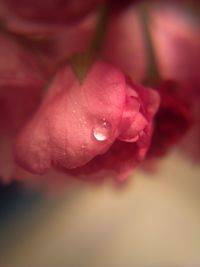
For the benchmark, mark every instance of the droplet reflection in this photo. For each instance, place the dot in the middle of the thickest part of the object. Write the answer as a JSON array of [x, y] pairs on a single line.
[[102, 130]]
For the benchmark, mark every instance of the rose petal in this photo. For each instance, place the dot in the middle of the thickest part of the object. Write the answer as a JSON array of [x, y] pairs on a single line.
[[62, 132]]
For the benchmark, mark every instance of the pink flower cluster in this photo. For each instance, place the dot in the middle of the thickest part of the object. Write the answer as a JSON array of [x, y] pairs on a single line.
[[72, 109]]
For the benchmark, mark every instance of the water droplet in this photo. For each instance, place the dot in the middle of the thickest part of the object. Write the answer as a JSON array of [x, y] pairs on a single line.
[[101, 130]]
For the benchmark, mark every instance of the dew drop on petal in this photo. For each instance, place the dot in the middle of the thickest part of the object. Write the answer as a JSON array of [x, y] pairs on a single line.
[[102, 129]]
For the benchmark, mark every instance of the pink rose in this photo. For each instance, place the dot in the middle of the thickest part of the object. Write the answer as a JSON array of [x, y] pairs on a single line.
[[103, 123]]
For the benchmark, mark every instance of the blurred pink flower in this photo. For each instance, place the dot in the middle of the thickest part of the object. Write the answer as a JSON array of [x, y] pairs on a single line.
[[21, 79], [176, 40], [48, 11], [176, 35]]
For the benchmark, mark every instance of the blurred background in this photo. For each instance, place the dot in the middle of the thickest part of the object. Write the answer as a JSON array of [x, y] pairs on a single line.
[[152, 221]]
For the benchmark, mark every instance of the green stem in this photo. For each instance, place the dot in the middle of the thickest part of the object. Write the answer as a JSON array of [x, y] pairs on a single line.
[[98, 38], [81, 63], [153, 74]]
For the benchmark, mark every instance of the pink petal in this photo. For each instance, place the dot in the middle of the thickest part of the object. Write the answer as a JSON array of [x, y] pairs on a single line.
[[62, 131]]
